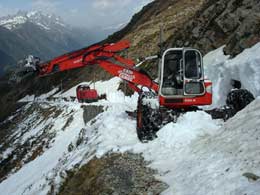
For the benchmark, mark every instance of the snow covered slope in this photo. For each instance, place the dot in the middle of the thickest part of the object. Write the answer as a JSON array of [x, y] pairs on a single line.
[[195, 156]]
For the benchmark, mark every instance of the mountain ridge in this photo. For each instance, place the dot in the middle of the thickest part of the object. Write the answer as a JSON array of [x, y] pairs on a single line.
[[42, 35]]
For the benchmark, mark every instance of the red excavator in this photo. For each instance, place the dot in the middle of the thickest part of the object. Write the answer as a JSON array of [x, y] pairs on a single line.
[[180, 86], [86, 94]]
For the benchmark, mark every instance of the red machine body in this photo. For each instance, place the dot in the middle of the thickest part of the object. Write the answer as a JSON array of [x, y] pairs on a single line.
[[185, 102], [85, 94]]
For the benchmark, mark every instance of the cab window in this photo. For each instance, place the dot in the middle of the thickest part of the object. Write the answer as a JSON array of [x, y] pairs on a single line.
[[192, 65]]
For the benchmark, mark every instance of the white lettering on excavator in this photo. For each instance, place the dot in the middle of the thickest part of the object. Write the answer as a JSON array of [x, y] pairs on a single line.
[[77, 61], [189, 100], [126, 75]]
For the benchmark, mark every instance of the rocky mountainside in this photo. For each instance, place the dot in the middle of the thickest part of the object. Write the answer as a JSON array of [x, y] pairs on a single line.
[[39, 34], [203, 24], [144, 28], [232, 23]]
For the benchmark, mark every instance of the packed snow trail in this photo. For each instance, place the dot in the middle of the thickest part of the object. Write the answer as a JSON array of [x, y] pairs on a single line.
[[196, 155]]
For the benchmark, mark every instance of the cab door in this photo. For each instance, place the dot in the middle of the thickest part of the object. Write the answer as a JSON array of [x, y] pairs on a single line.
[[171, 79]]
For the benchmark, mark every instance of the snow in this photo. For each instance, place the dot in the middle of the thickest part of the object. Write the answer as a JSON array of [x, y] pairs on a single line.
[[43, 26], [52, 163], [215, 57], [10, 23], [215, 164], [31, 14], [196, 155], [28, 98], [41, 19], [116, 132], [6, 153], [32, 178], [47, 95], [245, 67], [178, 135], [208, 157]]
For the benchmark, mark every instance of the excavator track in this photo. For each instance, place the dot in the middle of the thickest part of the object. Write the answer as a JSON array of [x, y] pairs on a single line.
[[146, 126], [151, 118]]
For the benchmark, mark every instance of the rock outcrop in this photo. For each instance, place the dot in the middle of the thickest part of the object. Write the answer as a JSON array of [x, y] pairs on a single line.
[[232, 23]]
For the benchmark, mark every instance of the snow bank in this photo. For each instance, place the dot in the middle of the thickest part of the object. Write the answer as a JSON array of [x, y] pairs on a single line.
[[244, 67], [179, 135], [216, 164]]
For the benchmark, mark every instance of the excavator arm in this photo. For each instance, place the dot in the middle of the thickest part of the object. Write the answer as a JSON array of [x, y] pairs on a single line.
[[106, 56], [74, 59]]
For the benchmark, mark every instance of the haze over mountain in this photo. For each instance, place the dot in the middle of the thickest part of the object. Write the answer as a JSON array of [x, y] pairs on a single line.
[[39, 34]]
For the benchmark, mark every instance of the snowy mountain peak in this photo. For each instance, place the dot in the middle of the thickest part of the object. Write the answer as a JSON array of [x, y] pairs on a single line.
[[44, 20]]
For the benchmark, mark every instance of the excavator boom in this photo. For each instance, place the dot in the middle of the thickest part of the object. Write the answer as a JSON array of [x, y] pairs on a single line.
[[107, 56], [75, 59]]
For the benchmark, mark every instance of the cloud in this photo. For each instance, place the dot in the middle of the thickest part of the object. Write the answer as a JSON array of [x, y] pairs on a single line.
[[6, 11], [141, 4], [116, 11], [108, 4], [46, 5], [73, 11]]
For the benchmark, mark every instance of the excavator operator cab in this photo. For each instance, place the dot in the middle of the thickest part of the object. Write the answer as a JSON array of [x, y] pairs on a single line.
[[181, 73]]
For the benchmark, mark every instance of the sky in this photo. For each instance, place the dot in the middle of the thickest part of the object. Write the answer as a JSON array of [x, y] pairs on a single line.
[[81, 13]]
